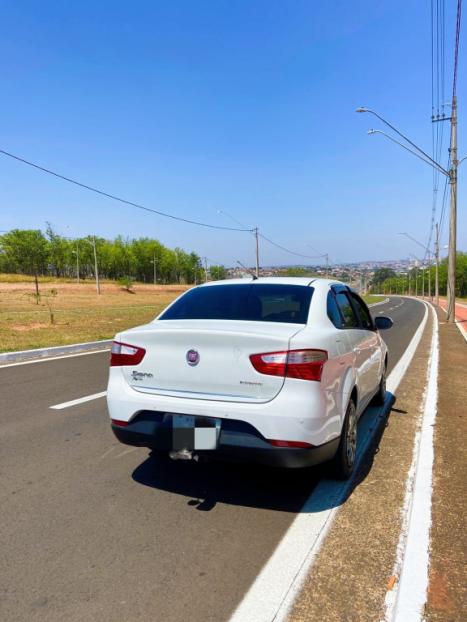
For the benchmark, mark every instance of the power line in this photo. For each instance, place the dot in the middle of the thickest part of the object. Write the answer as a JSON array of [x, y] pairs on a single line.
[[287, 250], [456, 48], [116, 198]]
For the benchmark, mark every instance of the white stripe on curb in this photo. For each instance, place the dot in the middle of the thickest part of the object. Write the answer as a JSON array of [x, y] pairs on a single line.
[[406, 602], [53, 351], [56, 358], [80, 400], [276, 587]]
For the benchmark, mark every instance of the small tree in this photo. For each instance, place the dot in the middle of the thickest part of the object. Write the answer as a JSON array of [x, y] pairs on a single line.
[[28, 250]]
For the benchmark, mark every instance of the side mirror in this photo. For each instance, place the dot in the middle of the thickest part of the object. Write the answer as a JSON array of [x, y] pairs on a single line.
[[383, 323]]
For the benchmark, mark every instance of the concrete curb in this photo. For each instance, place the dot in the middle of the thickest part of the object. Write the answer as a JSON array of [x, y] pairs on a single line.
[[42, 353]]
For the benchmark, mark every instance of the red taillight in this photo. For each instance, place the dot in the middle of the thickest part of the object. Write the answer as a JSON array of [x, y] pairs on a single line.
[[302, 364], [122, 424], [125, 354], [295, 444]]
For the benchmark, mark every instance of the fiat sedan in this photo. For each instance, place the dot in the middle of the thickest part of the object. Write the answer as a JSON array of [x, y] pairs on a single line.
[[272, 370]]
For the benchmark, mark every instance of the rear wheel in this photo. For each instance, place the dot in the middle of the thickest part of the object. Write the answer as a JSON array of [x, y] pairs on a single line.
[[380, 396], [344, 460]]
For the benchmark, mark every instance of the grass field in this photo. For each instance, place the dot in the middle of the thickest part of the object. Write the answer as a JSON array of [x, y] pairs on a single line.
[[79, 313], [370, 299]]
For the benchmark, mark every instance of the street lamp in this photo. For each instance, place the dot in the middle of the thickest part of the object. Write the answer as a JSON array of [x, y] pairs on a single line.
[[452, 176], [96, 269], [429, 264], [76, 252]]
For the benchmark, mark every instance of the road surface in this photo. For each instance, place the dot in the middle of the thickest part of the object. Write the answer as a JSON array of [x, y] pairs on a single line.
[[94, 530]]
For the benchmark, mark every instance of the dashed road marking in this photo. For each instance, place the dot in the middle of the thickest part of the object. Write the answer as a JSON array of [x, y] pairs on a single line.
[[80, 400]]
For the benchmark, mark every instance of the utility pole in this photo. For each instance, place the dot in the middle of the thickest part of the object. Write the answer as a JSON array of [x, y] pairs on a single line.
[[429, 275], [451, 289], [205, 269], [77, 262], [437, 265], [257, 251], [96, 270], [155, 267]]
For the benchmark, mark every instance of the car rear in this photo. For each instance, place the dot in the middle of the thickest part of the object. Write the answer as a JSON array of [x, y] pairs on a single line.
[[217, 374]]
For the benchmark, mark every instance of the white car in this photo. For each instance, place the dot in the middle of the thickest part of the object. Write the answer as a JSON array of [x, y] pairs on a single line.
[[273, 370]]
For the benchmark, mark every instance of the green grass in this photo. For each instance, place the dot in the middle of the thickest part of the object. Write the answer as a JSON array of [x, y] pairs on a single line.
[[370, 299]]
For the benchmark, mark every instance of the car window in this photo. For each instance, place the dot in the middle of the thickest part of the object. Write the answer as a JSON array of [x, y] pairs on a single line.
[[348, 313], [363, 312], [249, 302], [333, 311]]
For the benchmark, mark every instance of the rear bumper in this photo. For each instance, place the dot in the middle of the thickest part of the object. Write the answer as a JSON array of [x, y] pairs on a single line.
[[238, 442]]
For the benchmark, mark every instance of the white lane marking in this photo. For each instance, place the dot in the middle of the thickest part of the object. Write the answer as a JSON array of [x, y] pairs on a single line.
[[56, 358], [274, 590], [80, 400], [406, 602]]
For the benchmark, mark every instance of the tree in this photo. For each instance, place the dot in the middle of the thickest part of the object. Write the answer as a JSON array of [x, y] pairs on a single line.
[[28, 250], [218, 273], [381, 275]]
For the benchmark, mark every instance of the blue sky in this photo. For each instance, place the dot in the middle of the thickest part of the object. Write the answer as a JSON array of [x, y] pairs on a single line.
[[246, 106]]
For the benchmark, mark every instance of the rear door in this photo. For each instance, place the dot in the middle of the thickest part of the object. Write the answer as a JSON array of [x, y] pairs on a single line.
[[369, 343], [358, 340]]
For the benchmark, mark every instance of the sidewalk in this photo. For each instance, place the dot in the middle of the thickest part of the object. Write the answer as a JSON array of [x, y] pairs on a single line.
[[352, 577], [461, 315], [447, 593]]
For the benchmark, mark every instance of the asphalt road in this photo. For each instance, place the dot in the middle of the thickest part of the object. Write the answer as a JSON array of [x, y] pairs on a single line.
[[94, 530]]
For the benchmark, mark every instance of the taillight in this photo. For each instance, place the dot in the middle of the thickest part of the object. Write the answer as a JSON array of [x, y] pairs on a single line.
[[125, 354], [121, 424], [302, 364]]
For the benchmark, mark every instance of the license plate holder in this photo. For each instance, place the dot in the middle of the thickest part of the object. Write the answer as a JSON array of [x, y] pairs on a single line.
[[195, 433]]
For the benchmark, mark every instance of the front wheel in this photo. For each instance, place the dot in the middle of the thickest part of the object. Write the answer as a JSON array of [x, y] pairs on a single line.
[[344, 460], [380, 396]]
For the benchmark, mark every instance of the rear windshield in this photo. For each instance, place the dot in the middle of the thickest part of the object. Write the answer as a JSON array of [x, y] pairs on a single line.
[[249, 302]]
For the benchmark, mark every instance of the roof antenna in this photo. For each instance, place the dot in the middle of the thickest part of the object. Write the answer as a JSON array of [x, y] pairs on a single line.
[[248, 270]]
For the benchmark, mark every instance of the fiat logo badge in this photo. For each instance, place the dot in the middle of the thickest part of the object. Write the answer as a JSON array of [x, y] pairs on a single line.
[[192, 357]]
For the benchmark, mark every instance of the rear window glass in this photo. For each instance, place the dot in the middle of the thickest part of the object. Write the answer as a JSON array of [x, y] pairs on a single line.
[[249, 302]]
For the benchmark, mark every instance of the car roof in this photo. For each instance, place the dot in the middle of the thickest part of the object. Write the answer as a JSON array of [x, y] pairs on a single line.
[[317, 283]]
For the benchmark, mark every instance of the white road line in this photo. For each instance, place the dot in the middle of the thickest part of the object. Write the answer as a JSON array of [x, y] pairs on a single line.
[[276, 587], [56, 358], [80, 400], [406, 602]]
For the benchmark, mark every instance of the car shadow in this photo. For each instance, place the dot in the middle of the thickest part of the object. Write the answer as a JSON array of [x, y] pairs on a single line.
[[205, 484]]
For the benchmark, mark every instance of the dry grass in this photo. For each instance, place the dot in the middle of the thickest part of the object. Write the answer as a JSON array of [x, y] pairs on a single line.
[[80, 314], [370, 299]]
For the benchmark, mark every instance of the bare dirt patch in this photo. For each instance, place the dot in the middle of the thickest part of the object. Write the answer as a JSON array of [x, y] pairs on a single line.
[[80, 314]]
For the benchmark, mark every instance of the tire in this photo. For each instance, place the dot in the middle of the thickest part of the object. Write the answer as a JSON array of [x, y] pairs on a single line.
[[344, 460], [380, 396]]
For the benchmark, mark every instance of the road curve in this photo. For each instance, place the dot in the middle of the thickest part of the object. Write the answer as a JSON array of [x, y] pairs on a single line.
[[93, 530]]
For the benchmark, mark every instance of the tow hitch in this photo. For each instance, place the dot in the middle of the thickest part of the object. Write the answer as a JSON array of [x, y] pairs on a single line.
[[183, 454]]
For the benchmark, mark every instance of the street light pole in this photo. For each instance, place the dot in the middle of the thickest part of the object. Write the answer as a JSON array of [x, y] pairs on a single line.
[[257, 251], [96, 269], [155, 267], [437, 265], [77, 262], [451, 290], [452, 176]]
